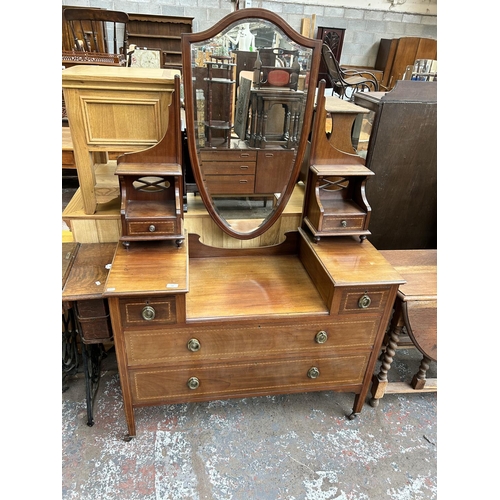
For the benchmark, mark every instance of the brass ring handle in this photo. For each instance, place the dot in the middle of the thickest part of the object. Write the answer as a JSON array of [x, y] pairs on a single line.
[[364, 301], [152, 228], [194, 345], [343, 223], [313, 372], [148, 313], [193, 383], [321, 337]]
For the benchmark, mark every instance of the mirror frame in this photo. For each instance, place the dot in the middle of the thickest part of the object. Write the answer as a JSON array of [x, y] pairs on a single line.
[[190, 38]]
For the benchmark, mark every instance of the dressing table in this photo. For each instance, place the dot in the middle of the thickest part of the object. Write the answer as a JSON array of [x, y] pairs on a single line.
[[196, 322]]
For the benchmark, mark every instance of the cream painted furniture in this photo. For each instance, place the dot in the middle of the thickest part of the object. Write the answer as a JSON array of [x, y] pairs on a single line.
[[113, 109]]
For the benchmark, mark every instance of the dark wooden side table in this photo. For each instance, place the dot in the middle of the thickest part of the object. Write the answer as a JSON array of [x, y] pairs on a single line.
[[415, 310], [85, 311]]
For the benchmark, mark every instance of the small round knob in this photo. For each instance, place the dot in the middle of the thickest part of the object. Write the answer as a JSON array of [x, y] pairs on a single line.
[[313, 372], [364, 301], [343, 223], [152, 228], [194, 345], [193, 383], [321, 337], [148, 313]]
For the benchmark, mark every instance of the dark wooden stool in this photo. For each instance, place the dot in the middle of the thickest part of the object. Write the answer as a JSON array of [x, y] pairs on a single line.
[[415, 310]]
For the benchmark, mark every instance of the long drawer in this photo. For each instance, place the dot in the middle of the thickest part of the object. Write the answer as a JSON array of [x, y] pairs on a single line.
[[225, 380], [206, 344]]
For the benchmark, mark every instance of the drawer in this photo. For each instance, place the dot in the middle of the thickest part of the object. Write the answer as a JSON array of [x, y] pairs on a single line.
[[166, 227], [147, 312], [363, 300], [207, 382], [68, 159], [94, 321], [343, 223], [220, 155], [229, 168], [230, 184], [185, 345]]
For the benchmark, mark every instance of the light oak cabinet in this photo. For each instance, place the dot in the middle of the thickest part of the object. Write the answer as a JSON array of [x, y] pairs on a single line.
[[113, 109]]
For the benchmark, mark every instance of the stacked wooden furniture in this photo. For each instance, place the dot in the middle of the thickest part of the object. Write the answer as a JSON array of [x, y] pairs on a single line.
[[104, 106], [394, 55], [216, 319]]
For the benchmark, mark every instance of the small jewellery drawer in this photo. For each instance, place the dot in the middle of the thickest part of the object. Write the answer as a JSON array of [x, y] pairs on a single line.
[[145, 313], [363, 300], [148, 227], [343, 223], [206, 382], [211, 344]]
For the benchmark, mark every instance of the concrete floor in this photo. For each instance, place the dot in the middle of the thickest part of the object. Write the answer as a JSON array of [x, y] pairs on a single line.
[[288, 447]]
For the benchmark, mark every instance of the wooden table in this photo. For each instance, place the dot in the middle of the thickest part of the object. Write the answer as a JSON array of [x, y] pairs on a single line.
[[85, 312], [113, 109], [415, 310]]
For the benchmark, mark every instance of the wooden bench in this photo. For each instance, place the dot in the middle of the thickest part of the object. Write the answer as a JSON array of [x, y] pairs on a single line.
[[415, 313]]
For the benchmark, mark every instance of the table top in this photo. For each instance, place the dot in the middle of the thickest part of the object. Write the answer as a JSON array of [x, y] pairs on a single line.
[[334, 104], [419, 269], [88, 272]]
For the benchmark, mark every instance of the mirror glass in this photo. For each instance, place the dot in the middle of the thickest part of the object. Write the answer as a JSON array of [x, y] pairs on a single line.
[[246, 84]]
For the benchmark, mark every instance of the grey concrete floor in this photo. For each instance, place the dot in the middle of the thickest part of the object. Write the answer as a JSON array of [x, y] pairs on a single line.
[[290, 447]]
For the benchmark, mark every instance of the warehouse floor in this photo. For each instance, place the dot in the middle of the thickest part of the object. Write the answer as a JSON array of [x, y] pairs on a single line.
[[298, 446]]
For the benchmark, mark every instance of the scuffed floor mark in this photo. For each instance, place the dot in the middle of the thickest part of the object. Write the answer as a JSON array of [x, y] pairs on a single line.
[[420, 488], [174, 477]]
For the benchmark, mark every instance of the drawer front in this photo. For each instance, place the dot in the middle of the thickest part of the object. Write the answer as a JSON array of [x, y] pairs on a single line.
[[363, 300], [147, 313], [342, 223], [230, 184], [207, 382], [190, 344], [228, 155], [229, 168], [68, 159], [149, 228]]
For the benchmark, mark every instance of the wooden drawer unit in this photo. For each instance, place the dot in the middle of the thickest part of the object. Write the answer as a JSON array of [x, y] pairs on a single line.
[[253, 378], [229, 171], [211, 343], [250, 323]]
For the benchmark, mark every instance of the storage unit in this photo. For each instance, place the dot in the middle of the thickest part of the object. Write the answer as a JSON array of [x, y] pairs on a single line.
[[160, 32], [402, 152]]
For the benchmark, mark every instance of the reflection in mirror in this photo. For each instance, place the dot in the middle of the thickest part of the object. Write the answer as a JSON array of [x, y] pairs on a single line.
[[247, 107]]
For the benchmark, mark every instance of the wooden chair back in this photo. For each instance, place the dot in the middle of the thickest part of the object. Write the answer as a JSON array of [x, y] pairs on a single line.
[[98, 30], [276, 67]]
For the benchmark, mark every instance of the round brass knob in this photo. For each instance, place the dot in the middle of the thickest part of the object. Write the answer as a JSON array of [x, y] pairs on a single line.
[[321, 337], [152, 228], [364, 301], [148, 313], [193, 383], [194, 345], [343, 223], [313, 372]]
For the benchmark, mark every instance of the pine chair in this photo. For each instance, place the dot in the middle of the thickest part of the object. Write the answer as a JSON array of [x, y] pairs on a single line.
[[343, 81]]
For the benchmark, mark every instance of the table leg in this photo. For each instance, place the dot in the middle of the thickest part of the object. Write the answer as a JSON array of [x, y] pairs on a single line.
[[92, 355], [419, 379], [380, 381]]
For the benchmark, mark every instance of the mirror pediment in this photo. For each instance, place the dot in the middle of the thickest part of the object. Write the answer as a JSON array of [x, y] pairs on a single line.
[[249, 87]]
